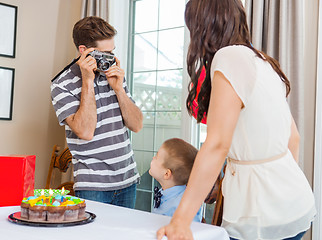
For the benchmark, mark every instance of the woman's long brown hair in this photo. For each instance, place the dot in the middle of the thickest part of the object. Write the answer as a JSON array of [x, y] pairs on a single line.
[[214, 24]]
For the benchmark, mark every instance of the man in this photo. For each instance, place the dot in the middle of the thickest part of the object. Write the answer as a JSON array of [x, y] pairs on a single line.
[[96, 109]]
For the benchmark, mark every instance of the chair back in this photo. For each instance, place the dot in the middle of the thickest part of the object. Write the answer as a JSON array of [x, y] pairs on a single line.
[[219, 206], [62, 162], [215, 196]]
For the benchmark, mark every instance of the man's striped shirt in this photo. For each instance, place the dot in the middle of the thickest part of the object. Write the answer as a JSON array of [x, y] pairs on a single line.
[[106, 162]]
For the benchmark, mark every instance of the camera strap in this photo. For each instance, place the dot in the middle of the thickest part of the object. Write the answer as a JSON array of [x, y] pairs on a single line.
[[65, 68]]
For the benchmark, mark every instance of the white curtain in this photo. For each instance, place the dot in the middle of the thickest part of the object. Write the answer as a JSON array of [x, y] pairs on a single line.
[[277, 28], [98, 8]]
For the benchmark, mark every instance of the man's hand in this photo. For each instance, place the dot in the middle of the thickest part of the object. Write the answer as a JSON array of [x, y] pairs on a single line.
[[87, 65], [115, 76]]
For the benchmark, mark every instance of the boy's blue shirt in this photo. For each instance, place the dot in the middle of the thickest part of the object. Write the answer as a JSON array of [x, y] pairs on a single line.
[[170, 200]]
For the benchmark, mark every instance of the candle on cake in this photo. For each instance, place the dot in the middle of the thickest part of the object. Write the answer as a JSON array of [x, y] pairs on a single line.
[[42, 195], [62, 194], [51, 192]]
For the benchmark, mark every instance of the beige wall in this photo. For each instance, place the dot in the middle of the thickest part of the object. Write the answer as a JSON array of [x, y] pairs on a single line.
[[44, 46]]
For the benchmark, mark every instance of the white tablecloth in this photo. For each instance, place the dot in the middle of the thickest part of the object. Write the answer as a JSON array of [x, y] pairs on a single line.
[[111, 222]]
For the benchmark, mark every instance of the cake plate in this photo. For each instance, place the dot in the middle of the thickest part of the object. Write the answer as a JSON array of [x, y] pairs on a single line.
[[16, 218]]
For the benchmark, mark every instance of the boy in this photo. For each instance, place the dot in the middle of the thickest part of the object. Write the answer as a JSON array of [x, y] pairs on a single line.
[[171, 167]]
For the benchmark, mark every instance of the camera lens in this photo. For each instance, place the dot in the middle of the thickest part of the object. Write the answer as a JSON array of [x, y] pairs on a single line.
[[103, 65]]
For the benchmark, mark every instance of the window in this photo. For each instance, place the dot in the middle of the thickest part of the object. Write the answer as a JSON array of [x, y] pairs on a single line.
[[156, 73]]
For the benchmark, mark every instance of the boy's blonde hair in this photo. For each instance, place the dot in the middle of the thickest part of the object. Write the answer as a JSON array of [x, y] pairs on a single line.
[[180, 157]]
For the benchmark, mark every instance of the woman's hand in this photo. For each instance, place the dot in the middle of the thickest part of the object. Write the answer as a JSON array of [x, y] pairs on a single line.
[[115, 76], [175, 230]]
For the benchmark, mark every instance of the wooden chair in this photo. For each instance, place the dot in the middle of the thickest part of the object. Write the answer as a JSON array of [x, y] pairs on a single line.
[[218, 211], [216, 196], [62, 162]]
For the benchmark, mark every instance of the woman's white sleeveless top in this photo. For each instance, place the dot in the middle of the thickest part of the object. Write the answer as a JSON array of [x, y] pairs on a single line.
[[271, 200]]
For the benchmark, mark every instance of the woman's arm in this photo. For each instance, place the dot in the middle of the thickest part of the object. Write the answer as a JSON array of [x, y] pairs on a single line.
[[223, 114], [294, 142]]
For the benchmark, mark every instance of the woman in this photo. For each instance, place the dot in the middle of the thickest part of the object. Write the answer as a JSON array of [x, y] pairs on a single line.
[[266, 195]]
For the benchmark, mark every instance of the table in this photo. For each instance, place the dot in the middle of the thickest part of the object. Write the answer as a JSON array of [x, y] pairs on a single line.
[[111, 222]]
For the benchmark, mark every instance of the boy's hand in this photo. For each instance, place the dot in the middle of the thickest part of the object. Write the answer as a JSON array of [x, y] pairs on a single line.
[[87, 65], [115, 76]]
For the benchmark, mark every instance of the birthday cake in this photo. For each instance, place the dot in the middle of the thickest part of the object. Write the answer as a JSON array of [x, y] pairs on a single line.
[[52, 206]]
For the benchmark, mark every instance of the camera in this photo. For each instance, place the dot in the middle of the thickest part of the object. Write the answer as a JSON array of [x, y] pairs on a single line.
[[103, 60]]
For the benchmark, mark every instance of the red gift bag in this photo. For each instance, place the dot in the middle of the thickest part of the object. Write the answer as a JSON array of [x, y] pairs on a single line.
[[17, 178]]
